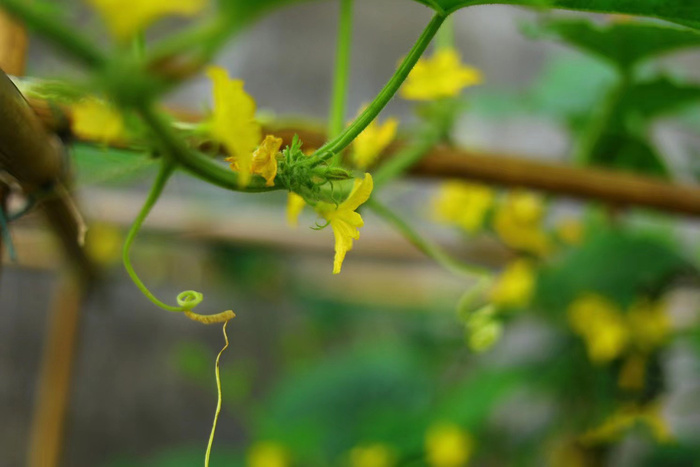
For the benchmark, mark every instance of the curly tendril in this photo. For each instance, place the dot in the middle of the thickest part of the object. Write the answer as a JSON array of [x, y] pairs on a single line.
[[187, 300]]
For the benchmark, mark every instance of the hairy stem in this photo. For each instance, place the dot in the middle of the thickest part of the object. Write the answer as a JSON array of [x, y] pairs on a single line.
[[341, 141], [341, 73]]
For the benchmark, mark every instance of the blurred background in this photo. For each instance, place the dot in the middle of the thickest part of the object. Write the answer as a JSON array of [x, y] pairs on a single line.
[[319, 364]]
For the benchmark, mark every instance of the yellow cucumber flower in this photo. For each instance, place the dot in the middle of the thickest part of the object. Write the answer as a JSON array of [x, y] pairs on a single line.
[[373, 141], [267, 454], [515, 285], [570, 231], [649, 324], [295, 204], [448, 445], [95, 120], [125, 18], [373, 455], [264, 159], [518, 222], [232, 122], [602, 326], [442, 75], [463, 204], [343, 219]]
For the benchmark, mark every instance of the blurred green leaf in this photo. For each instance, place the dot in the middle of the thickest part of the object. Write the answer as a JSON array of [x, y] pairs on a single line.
[[97, 165], [617, 264], [240, 13], [624, 44], [650, 99], [378, 394], [681, 11]]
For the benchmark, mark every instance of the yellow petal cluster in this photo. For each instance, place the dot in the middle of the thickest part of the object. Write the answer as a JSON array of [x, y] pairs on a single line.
[[295, 204], [96, 120], [515, 286], [628, 417], [570, 231], [264, 161], [267, 454], [373, 141], [442, 75], [232, 122], [125, 18], [608, 332], [373, 455], [518, 222], [343, 219], [448, 445], [463, 204]]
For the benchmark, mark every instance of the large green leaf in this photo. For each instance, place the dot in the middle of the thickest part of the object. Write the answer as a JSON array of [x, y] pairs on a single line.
[[618, 264], [681, 11], [650, 99], [623, 43]]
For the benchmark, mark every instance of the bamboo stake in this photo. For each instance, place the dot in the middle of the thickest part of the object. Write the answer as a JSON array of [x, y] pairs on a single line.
[[53, 390]]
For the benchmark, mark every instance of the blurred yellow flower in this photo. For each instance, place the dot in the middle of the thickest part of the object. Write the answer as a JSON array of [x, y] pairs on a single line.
[[295, 204], [232, 122], [601, 325], [518, 222], [626, 418], [516, 284], [264, 159], [373, 455], [442, 75], [125, 18], [267, 454], [649, 324], [343, 219], [570, 231], [103, 243], [372, 141], [483, 330], [96, 120], [463, 204], [609, 332], [448, 445], [633, 373]]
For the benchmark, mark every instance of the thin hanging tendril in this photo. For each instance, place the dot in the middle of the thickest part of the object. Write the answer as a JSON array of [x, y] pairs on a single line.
[[218, 403], [187, 300]]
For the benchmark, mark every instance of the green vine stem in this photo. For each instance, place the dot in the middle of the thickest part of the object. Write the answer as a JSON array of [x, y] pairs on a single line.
[[166, 170], [445, 38], [430, 249], [195, 163], [341, 73], [340, 142], [42, 20]]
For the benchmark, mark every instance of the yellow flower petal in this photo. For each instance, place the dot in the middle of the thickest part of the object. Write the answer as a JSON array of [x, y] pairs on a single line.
[[447, 445], [518, 223], [373, 141], [344, 221], [125, 18], [570, 231], [373, 455], [265, 159], [649, 324], [232, 122], [442, 75], [601, 325], [295, 204], [463, 204], [267, 454], [96, 120], [515, 286]]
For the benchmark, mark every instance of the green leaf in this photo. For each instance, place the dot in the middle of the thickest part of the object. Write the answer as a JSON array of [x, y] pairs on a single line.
[[650, 99], [624, 44], [240, 13], [685, 12], [619, 148], [97, 165], [617, 264]]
